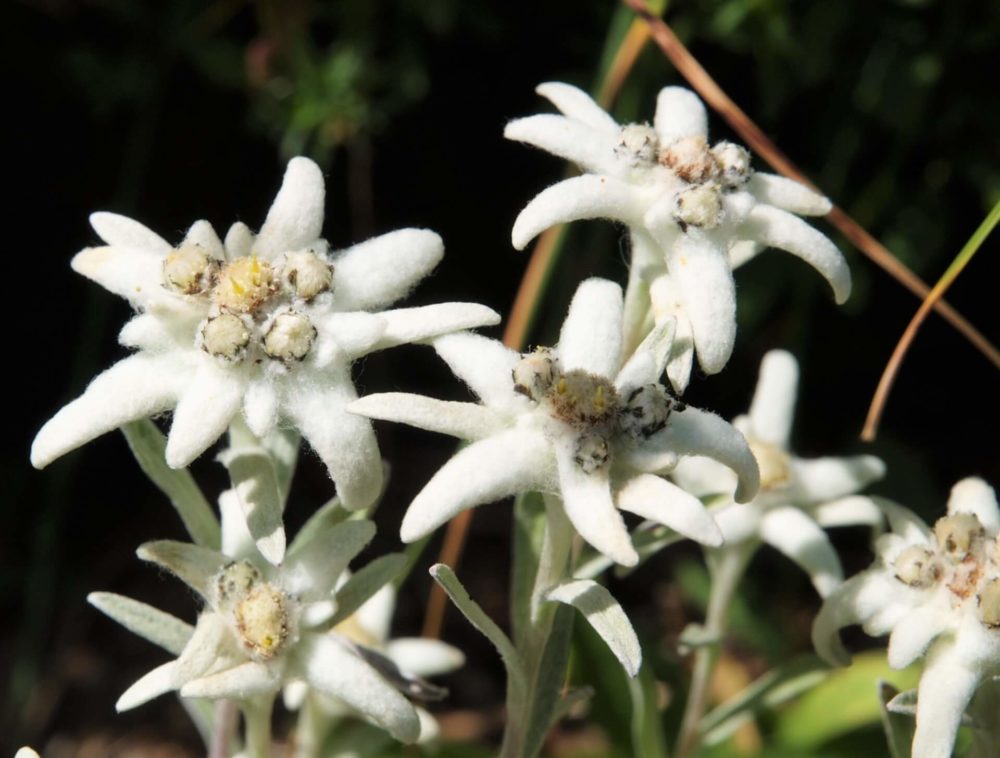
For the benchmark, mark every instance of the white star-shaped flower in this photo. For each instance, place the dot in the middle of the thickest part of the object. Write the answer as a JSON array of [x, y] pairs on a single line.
[[694, 211], [798, 496], [937, 594], [265, 628], [577, 421], [267, 325]]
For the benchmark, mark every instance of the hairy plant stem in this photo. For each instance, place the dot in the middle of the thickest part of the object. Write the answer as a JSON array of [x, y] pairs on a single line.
[[309, 730], [224, 729], [524, 709], [725, 568], [257, 726]]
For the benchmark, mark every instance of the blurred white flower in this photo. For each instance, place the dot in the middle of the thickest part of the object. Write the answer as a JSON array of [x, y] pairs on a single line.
[[937, 594], [265, 628], [572, 421], [266, 324], [798, 496], [694, 211]]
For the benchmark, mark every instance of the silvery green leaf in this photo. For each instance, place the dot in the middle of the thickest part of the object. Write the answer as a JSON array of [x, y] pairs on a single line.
[[898, 721], [148, 622], [365, 583], [149, 446], [695, 636], [570, 700], [313, 568], [777, 686], [607, 617], [254, 476], [478, 618], [194, 565], [325, 517]]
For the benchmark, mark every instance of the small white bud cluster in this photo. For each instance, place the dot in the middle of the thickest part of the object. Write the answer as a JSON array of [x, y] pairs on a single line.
[[256, 307], [591, 406], [962, 560], [705, 172], [258, 612]]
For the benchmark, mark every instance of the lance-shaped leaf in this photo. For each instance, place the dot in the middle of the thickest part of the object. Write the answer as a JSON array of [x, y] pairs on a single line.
[[607, 617], [149, 447], [148, 622], [194, 565], [366, 582]]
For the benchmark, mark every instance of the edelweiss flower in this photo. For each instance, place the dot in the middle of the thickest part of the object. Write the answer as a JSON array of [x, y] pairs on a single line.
[[267, 324], [411, 659], [688, 205], [935, 592], [265, 627], [573, 421], [798, 496]]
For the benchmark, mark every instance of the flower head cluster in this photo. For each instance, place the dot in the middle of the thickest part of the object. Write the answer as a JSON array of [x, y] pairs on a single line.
[[265, 325], [574, 420], [936, 592], [798, 496], [694, 210], [265, 628]]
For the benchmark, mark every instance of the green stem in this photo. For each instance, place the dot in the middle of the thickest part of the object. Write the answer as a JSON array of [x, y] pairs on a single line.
[[310, 730], [985, 713], [257, 726], [529, 712], [726, 569]]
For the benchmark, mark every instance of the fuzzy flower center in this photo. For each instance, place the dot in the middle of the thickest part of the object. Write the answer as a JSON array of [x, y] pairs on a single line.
[[962, 561], [259, 612], [590, 407], [256, 306]]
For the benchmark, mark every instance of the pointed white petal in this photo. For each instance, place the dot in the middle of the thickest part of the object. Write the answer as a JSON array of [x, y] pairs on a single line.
[[466, 421], [149, 331], [202, 234], [588, 504], [514, 461], [236, 540], [260, 406], [194, 565], [135, 274], [738, 523], [703, 476], [777, 228], [121, 231], [254, 479], [375, 614], [946, 687], [855, 601], [347, 336], [312, 568], [591, 336], [799, 537], [649, 360], [578, 105], [849, 511], [819, 479], [345, 442], [331, 669], [148, 622], [295, 219], [973, 495], [238, 683], [485, 365], [696, 432], [914, 634], [658, 500], [239, 241], [679, 113], [405, 325], [574, 141], [203, 412], [742, 251], [705, 283], [645, 263], [788, 195], [157, 682], [384, 269], [424, 657], [603, 613], [588, 196], [773, 408], [136, 387]]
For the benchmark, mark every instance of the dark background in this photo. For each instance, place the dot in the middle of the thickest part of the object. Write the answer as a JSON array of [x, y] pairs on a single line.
[[176, 111]]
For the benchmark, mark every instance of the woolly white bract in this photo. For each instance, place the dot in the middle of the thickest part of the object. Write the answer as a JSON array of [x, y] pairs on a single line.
[[265, 628], [797, 496], [266, 324], [694, 212], [936, 593], [572, 421]]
